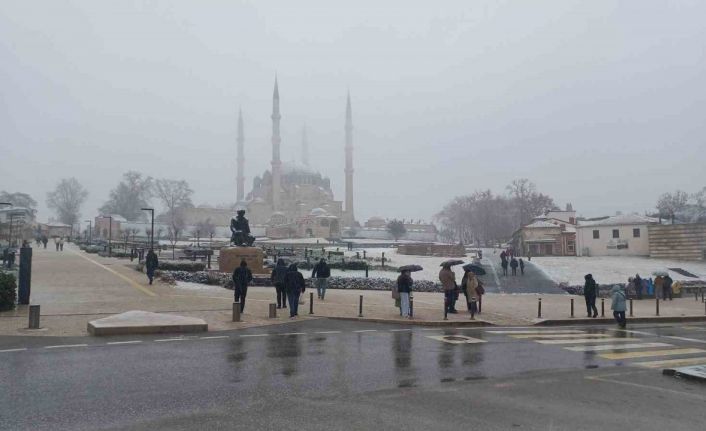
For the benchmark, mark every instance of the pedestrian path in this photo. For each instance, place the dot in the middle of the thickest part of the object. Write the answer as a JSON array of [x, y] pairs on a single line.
[[614, 345]]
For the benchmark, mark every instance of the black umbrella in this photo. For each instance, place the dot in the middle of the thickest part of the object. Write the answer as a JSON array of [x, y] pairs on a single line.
[[476, 269], [451, 262], [411, 268]]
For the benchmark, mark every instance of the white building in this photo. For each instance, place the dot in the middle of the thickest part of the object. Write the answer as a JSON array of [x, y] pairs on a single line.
[[620, 235]]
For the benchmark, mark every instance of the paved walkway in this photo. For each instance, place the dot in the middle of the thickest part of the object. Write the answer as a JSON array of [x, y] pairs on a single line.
[[73, 287]]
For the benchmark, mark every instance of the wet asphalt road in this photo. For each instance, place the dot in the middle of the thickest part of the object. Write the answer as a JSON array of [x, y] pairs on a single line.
[[329, 375]]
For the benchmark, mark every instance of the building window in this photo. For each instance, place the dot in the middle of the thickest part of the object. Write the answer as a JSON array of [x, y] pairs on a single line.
[[596, 234], [636, 233], [616, 233]]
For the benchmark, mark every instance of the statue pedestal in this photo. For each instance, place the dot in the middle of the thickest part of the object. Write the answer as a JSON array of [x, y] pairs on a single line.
[[231, 257]]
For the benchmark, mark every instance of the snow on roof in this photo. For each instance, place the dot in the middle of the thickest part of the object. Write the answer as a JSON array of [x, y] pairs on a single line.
[[623, 219], [541, 224]]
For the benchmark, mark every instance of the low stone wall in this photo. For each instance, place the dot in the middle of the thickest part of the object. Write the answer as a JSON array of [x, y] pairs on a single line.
[[441, 250]]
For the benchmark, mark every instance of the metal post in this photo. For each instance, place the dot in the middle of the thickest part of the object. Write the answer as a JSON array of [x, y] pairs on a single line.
[[446, 307], [702, 293], [572, 307], [34, 317], [411, 306], [539, 308], [383, 259], [236, 311], [366, 269], [360, 306], [480, 303], [602, 307], [209, 259], [630, 307], [273, 311], [657, 305], [25, 276], [311, 302], [696, 295]]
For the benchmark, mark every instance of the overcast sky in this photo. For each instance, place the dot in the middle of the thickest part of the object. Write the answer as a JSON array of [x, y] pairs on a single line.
[[600, 103]]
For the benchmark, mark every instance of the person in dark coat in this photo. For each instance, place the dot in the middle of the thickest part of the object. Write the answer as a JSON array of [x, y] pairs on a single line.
[[294, 285], [522, 266], [277, 277], [504, 265], [404, 287], [151, 264], [667, 287], [514, 265], [590, 290], [638, 285], [242, 276], [321, 273]]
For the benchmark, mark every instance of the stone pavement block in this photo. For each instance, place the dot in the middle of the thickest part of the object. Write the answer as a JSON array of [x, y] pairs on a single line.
[[145, 322]]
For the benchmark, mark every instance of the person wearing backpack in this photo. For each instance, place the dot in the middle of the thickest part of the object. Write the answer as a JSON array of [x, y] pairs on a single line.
[[277, 277], [294, 285], [320, 274], [242, 276]]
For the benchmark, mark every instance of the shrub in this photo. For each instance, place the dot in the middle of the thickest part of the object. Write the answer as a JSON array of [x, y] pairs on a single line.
[[171, 265], [8, 291]]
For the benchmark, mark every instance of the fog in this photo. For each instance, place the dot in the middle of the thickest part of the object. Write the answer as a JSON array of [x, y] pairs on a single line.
[[600, 103]]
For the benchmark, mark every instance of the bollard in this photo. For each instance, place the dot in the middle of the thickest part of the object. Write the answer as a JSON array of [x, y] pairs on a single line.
[[24, 280], [630, 307], [360, 306], [383, 259], [539, 308], [236, 311], [702, 293], [273, 311], [657, 305], [480, 303], [411, 306], [34, 317], [572, 307], [363, 254], [209, 261], [366, 269], [311, 302], [446, 308], [602, 307]]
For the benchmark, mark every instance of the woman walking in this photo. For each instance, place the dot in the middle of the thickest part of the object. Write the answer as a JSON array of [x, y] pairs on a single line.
[[404, 288], [472, 296], [618, 305]]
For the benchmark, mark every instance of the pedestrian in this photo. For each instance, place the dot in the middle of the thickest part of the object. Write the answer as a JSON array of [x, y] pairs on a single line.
[[294, 285], [522, 266], [514, 265], [503, 255], [667, 287], [658, 286], [618, 305], [404, 288], [448, 280], [638, 282], [61, 244], [241, 277], [529, 255], [590, 290], [321, 273], [56, 243], [45, 240], [504, 265], [277, 277], [472, 293], [151, 264]]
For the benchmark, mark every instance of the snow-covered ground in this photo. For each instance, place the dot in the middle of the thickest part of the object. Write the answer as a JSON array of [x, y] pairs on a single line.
[[198, 286], [612, 269]]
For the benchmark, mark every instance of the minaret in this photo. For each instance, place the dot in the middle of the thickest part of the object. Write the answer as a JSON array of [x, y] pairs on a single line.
[[276, 163], [349, 218], [241, 159], [305, 148]]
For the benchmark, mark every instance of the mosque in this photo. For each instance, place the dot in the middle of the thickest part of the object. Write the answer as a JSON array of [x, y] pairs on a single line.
[[291, 200]]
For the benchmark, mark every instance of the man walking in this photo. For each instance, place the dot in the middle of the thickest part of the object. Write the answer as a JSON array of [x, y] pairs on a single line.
[[151, 264], [589, 292], [277, 277], [241, 277], [522, 266], [294, 285], [448, 280], [321, 273], [667, 287], [513, 265]]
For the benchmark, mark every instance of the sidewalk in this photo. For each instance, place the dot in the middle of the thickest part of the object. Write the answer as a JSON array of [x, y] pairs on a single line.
[[73, 288]]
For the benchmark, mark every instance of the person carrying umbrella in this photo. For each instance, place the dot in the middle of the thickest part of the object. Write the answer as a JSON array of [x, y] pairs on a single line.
[[472, 295], [448, 281], [404, 289]]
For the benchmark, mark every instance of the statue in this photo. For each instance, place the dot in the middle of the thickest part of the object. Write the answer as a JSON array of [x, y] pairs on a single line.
[[240, 231]]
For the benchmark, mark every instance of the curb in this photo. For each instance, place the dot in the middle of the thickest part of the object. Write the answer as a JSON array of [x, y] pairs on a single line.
[[606, 320], [439, 323]]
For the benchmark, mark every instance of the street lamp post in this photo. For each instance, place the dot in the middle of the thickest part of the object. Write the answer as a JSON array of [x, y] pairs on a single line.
[[90, 232], [151, 210]]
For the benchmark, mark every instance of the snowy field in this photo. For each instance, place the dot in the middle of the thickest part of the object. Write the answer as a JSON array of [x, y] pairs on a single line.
[[612, 269]]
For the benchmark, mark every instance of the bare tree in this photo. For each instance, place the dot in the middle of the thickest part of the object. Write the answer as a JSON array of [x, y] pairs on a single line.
[[396, 229], [66, 200], [130, 196], [669, 204], [175, 195]]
